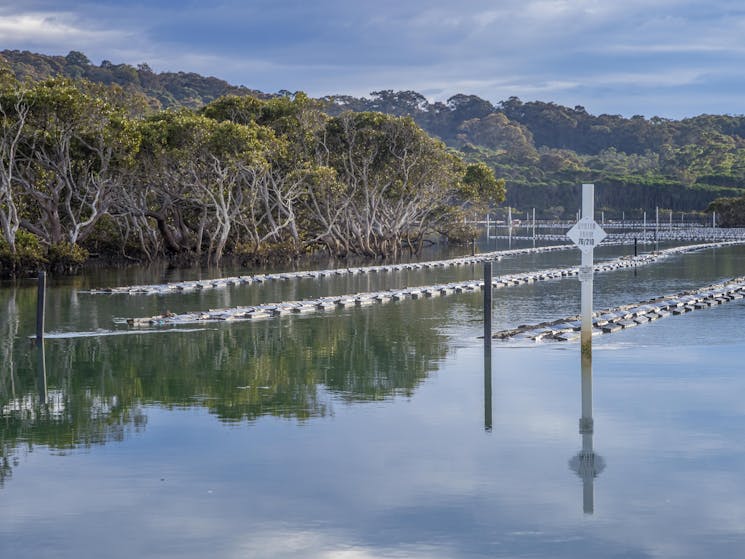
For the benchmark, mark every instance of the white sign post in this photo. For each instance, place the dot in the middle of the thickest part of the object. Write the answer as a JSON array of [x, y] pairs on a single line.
[[587, 234]]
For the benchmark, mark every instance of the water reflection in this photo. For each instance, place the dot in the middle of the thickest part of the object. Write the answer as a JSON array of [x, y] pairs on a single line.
[[487, 345], [79, 392], [41, 363], [487, 386], [587, 464]]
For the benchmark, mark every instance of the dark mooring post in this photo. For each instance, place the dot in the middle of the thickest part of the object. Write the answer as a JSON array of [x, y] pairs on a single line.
[[487, 303], [635, 246], [487, 346], [473, 246], [40, 307]]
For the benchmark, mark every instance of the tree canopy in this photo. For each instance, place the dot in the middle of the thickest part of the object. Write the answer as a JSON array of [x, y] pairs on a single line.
[[85, 170]]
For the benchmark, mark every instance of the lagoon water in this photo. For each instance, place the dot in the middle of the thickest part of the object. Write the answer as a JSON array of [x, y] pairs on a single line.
[[366, 432]]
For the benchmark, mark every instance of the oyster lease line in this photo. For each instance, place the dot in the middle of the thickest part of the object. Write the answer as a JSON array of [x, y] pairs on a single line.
[[188, 286], [627, 316], [185, 286], [267, 310]]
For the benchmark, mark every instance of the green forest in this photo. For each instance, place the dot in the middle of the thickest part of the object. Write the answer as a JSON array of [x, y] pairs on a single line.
[[118, 161], [92, 169], [544, 150]]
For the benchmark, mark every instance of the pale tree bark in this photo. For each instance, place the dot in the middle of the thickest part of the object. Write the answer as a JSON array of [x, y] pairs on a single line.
[[13, 113]]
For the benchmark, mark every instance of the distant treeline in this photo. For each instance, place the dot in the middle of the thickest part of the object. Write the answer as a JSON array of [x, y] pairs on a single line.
[[545, 150], [541, 149], [158, 90], [86, 168]]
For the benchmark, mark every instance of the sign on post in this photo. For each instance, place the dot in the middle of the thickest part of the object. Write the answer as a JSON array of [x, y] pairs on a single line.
[[586, 234], [585, 273]]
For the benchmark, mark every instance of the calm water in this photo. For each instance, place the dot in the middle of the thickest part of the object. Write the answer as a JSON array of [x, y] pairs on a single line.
[[365, 433]]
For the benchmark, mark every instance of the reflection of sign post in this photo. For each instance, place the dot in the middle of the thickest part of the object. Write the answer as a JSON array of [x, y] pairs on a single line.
[[587, 234]]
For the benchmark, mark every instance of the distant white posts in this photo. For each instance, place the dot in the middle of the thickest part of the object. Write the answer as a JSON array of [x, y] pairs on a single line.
[[534, 225], [509, 225]]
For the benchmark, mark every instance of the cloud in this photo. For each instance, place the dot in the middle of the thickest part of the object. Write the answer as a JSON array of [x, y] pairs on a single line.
[[592, 51], [52, 29]]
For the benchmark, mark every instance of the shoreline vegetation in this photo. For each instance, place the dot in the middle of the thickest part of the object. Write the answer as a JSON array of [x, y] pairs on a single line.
[[87, 169], [122, 164]]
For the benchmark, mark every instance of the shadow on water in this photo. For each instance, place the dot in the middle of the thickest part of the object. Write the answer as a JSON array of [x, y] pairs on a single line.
[[71, 393]]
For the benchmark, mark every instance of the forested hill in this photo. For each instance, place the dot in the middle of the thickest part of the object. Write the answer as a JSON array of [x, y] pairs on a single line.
[[163, 90], [540, 148], [466, 119]]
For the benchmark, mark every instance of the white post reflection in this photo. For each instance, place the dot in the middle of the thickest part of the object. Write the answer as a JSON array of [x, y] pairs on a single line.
[[587, 464], [509, 227]]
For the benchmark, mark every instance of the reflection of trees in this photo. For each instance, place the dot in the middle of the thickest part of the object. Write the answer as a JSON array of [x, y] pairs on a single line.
[[77, 412], [285, 368], [8, 335]]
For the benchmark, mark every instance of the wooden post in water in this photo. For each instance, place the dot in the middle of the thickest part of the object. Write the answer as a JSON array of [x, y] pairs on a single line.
[[41, 294]]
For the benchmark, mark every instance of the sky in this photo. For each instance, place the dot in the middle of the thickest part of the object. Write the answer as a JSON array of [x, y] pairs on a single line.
[[668, 58]]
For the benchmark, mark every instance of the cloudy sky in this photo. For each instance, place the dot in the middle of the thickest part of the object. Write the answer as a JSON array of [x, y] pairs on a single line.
[[671, 58]]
